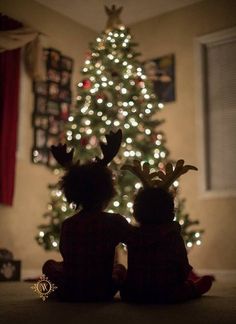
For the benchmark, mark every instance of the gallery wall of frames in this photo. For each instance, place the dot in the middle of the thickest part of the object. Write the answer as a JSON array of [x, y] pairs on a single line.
[[52, 104]]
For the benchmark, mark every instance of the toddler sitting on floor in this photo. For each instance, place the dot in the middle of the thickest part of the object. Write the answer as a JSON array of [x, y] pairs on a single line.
[[158, 267], [88, 239]]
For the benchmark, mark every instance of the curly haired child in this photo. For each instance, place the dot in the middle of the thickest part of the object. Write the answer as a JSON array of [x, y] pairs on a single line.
[[158, 267], [88, 239]]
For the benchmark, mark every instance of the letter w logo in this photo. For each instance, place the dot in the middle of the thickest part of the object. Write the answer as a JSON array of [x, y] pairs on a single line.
[[44, 287]]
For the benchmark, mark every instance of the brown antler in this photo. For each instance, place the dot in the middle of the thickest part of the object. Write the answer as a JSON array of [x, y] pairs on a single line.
[[61, 155], [110, 149], [142, 172], [166, 178]]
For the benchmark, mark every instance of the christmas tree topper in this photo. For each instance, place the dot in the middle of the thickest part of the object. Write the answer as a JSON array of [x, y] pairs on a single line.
[[114, 20]]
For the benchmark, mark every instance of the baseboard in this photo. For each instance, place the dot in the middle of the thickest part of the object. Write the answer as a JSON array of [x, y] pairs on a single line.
[[220, 274], [225, 275], [30, 273]]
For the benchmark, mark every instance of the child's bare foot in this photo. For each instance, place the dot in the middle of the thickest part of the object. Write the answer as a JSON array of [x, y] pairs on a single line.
[[194, 276], [203, 284]]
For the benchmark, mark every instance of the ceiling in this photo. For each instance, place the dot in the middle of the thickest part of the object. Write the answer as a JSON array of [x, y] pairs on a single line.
[[91, 14]]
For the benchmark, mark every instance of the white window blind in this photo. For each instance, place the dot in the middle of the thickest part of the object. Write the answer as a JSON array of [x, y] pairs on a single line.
[[218, 91], [221, 116]]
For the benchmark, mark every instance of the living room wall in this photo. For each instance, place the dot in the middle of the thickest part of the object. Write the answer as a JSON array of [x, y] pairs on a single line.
[[176, 32], [18, 224]]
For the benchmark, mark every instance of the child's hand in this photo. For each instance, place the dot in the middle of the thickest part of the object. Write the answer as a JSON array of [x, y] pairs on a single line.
[[63, 157]]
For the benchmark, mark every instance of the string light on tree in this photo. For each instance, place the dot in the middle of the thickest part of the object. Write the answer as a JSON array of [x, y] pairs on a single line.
[[113, 92]]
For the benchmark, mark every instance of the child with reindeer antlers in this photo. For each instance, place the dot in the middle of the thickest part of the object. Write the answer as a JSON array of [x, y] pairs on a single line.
[[158, 267], [88, 239]]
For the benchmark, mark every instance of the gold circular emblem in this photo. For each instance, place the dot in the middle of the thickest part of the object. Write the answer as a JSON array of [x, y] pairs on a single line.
[[44, 287]]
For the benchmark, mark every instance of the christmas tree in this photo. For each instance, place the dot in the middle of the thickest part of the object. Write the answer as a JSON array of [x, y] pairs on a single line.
[[114, 93]]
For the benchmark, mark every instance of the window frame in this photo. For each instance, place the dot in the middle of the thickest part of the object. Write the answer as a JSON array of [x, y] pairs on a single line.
[[201, 44]]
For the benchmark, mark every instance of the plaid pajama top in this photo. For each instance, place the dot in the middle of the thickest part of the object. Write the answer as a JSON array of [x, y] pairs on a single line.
[[157, 260], [87, 244]]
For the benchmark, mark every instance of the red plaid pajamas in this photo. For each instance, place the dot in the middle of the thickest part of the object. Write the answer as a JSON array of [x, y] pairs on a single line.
[[87, 245], [158, 266]]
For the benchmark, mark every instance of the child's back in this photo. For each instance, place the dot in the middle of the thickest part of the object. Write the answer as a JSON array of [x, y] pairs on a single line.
[[88, 239], [157, 262], [158, 267], [88, 242]]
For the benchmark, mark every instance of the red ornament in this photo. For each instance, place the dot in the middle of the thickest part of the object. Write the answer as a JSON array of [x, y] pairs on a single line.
[[87, 84], [84, 141]]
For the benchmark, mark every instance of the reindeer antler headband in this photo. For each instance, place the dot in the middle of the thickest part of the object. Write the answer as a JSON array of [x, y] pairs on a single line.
[[109, 150], [165, 179]]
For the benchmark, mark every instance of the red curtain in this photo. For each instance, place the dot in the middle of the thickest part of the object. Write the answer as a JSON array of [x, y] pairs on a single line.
[[9, 95]]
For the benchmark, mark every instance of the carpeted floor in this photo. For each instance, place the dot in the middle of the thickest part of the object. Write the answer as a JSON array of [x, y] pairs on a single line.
[[19, 304]]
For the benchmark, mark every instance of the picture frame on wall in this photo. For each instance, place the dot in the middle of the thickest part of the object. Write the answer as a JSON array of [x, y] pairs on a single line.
[[40, 88], [66, 63], [41, 104], [161, 72], [52, 104]]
